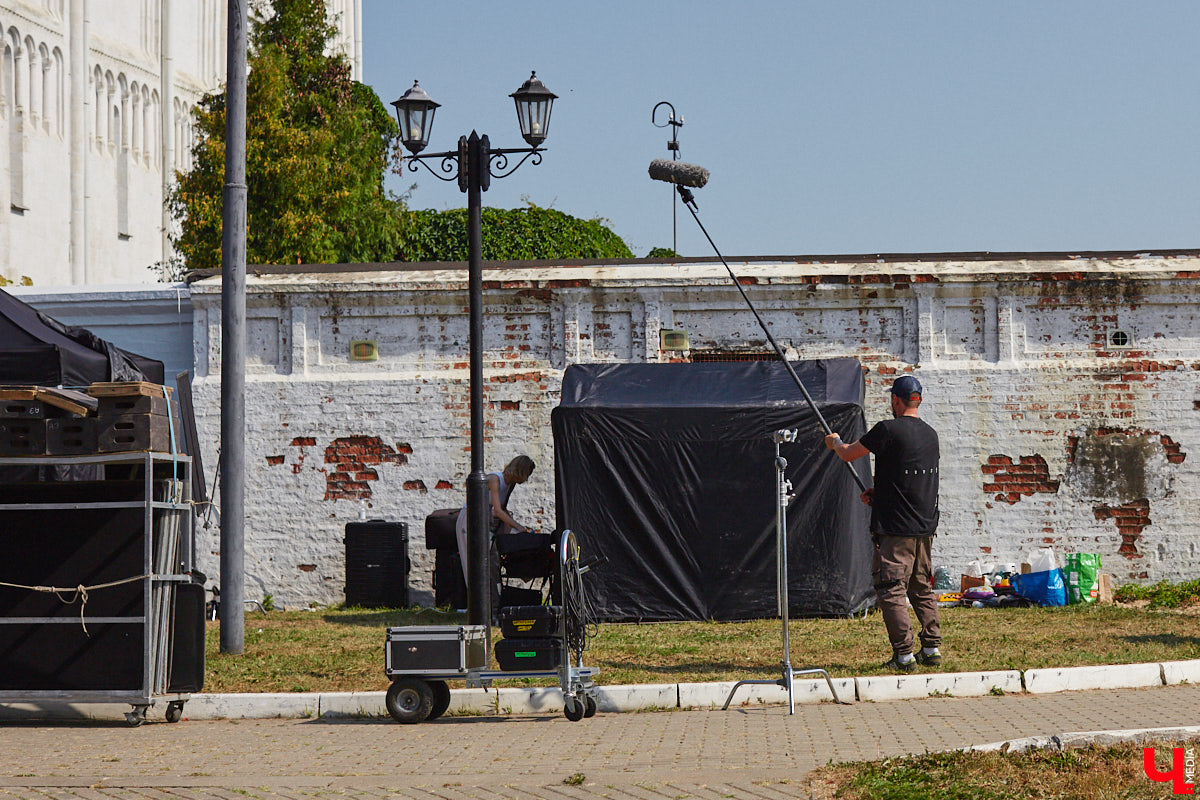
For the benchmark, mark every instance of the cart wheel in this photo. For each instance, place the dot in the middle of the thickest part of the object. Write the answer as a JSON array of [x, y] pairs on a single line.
[[174, 711], [589, 706], [573, 709], [409, 700], [441, 698], [136, 717]]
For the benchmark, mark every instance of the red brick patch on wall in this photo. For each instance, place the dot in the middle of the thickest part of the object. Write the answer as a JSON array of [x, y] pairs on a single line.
[[1028, 476], [1131, 519], [350, 473]]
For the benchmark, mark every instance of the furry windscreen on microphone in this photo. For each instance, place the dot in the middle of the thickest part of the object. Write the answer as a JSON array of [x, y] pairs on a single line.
[[678, 172]]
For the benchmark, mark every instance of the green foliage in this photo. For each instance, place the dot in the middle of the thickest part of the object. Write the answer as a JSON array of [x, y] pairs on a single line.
[[317, 147], [1163, 594], [268, 602], [518, 234], [662, 252]]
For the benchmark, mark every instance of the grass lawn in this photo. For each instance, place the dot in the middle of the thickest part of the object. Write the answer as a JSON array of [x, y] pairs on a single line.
[[1093, 773], [342, 649]]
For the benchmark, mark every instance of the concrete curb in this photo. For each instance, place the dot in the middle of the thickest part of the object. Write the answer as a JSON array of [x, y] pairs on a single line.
[[642, 697], [1065, 741], [953, 684], [1122, 676]]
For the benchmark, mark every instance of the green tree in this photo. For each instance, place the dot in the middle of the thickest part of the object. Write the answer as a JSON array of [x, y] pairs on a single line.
[[517, 234], [317, 147]]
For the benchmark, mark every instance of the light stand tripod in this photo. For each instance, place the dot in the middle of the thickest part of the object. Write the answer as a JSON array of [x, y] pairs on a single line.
[[784, 492]]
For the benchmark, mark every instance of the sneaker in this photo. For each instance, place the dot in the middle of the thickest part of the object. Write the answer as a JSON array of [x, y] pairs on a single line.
[[896, 666], [933, 659]]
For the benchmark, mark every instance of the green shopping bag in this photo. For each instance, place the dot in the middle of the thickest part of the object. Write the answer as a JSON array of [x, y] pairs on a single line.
[[1082, 571]]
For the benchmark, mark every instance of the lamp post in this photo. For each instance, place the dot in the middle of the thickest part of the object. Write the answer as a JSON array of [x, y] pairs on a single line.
[[473, 165]]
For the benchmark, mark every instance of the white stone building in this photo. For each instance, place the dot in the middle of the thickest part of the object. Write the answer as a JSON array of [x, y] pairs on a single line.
[[1066, 389], [95, 119]]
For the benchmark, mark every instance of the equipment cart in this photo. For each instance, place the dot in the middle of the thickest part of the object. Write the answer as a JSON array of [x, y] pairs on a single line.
[[421, 659], [97, 599]]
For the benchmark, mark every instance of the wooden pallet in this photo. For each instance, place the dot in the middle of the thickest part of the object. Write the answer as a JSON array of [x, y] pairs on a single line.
[[128, 389], [66, 399]]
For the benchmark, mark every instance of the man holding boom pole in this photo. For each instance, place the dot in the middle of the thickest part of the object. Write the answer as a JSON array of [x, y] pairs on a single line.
[[904, 517]]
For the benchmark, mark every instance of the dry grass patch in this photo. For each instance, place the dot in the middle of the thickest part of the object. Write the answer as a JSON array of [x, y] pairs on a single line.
[[1092, 773], [342, 650]]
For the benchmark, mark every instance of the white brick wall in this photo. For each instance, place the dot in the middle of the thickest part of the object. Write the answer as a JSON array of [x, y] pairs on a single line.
[[1049, 435]]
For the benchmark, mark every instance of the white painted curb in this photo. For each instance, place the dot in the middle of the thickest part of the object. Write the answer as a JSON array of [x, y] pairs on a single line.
[[1115, 676], [1082, 739], [712, 695], [950, 684], [252, 706], [638, 697], [1180, 671]]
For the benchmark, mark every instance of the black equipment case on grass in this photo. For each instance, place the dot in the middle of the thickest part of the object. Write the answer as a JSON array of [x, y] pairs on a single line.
[[520, 655], [530, 621]]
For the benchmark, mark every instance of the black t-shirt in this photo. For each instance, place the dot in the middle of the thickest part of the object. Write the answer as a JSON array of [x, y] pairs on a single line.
[[906, 477]]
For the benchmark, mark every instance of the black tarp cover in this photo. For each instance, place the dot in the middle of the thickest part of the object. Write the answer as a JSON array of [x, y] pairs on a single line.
[[37, 350], [667, 470]]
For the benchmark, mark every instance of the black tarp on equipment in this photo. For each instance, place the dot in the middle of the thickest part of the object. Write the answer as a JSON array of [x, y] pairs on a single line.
[[667, 470], [37, 350]]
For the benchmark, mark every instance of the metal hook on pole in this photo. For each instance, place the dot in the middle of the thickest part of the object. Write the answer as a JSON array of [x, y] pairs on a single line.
[[675, 122]]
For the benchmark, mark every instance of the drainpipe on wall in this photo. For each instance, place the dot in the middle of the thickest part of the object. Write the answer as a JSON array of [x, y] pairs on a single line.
[[80, 104], [166, 54], [358, 42]]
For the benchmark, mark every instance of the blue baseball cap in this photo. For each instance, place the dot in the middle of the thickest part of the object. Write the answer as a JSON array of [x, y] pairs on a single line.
[[905, 387]]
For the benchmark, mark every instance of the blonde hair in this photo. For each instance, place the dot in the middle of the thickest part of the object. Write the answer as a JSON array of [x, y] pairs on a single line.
[[519, 469]]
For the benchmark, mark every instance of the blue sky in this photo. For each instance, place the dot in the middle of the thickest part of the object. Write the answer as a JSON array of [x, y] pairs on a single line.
[[831, 127]]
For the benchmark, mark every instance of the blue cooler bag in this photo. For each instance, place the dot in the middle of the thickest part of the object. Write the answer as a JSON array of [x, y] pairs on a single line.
[[1044, 588]]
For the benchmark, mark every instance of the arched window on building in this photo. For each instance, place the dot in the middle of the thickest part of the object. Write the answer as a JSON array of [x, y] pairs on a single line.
[[99, 110], [122, 127], [33, 62], [16, 67]]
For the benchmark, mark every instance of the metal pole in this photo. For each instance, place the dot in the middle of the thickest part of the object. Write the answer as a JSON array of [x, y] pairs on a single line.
[[479, 595], [781, 532], [233, 337]]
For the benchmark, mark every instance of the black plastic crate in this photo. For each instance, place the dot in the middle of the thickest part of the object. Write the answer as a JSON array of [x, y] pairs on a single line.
[[529, 621], [23, 437], [526, 655], [377, 564]]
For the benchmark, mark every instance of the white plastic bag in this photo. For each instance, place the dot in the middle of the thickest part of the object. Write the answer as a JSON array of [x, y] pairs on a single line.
[[1042, 560], [975, 568]]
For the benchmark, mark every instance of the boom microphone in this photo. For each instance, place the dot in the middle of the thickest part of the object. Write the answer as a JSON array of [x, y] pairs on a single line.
[[678, 172]]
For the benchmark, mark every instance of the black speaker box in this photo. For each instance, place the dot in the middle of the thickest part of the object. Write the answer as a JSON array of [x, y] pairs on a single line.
[[439, 529], [449, 587], [377, 564], [187, 639]]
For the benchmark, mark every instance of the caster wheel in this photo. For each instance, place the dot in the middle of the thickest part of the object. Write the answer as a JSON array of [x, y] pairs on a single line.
[[573, 709], [589, 706], [409, 701], [441, 699], [136, 717], [174, 712]]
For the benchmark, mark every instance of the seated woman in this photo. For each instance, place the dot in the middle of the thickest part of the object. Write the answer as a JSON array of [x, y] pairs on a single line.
[[500, 488]]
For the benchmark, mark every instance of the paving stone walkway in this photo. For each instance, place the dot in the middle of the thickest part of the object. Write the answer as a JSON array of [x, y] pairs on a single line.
[[757, 753]]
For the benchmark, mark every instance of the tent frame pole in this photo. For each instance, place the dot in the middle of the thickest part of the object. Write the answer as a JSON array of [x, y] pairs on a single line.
[[788, 675]]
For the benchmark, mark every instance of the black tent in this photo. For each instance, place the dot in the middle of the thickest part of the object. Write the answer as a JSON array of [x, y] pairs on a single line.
[[667, 471], [37, 350]]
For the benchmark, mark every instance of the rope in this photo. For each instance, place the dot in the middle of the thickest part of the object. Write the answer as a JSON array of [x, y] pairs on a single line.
[[80, 593]]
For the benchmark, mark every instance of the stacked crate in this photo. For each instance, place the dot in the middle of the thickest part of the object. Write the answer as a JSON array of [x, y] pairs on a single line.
[[125, 417]]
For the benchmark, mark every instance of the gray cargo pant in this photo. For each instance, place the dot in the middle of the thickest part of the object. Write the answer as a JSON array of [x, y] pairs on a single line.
[[902, 568]]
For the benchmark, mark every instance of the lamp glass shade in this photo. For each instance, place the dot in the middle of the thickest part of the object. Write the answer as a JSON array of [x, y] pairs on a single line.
[[414, 114], [534, 102]]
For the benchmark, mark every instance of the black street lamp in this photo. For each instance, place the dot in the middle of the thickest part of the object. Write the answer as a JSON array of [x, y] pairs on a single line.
[[472, 166]]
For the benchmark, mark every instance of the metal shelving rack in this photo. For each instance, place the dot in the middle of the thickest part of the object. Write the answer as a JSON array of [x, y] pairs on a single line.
[[165, 566]]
